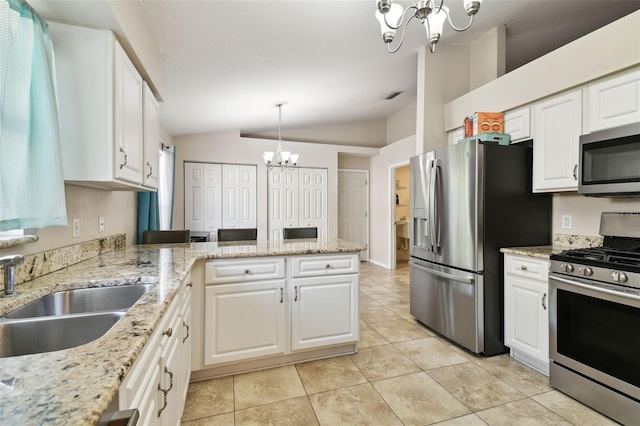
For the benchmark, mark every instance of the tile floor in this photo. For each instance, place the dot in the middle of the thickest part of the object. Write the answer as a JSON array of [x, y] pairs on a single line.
[[403, 374]]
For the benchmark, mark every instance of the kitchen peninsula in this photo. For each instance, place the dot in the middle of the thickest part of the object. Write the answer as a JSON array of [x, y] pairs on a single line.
[[298, 277]]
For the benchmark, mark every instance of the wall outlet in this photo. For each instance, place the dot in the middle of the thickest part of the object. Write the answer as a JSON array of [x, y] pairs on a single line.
[[76, 227], [101, 224], [567, 221]]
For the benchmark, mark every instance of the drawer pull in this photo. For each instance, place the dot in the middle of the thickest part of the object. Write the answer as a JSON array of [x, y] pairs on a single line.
[[150, 170], [246, 271], [295, 299], [125, 158], [327, 266], [544, 297], [165, 399], [281, 294], [169, 332], [187, 336], [190, 284], [524, 268]]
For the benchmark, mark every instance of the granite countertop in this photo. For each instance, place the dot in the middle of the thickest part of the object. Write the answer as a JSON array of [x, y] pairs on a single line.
[[75, 386], [561, 242]]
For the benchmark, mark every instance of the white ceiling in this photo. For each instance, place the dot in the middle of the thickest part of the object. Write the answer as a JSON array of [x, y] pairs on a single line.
[[227, 61]]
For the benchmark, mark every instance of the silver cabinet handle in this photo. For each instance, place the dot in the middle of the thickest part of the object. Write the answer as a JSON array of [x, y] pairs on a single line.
[[187, 336], [281, 294], [165, 391], [295, 299], [544, 296], [150, 170], [169, 332], [125, 158], [575, 172], [524, 268]]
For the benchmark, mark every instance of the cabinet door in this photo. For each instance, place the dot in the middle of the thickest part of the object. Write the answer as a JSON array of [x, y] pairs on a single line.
[[128, 119], [185, 347], [517, 124], [324, 311], [555, 148], [282, 201], [455, 135], [170, 400], [615, 101], [526, 317], [151, 119], [243, 321]]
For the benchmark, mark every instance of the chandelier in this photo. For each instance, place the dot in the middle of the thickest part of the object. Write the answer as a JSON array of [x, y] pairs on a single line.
[[283, 159], [391, 17]]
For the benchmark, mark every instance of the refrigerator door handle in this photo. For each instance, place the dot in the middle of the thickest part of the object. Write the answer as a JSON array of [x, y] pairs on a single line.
[[437, 207], [432, 203], [466, 280]]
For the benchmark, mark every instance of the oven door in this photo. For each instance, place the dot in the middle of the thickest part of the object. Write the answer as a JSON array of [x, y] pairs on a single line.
[[595, 332]]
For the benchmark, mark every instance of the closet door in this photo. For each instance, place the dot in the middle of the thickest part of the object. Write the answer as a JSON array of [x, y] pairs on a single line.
[[212, 196], [282, 201], [239, 196], [193, 196], [312, 188], [247, 197]]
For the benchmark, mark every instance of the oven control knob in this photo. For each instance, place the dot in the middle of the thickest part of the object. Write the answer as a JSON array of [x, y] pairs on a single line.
[[620, 277], [586, 271], [566, 267]]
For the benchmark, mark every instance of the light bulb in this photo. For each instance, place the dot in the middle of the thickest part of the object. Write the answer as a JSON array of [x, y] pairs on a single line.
[[294, 158], [393, 17]]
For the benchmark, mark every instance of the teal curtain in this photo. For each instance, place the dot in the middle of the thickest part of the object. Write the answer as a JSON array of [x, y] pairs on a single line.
[[31, 179], [148, 213]]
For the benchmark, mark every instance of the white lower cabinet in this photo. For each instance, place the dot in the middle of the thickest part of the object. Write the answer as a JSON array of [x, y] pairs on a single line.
[[156, 384], [244, 321], [324, 311], [526, 315]]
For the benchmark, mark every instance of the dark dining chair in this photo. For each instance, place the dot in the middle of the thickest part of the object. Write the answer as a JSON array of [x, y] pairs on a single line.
[[293, 233], [165, 237], [237, 234]]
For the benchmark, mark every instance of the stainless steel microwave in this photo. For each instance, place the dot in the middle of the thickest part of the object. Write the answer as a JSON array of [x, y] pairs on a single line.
[[610, 162]]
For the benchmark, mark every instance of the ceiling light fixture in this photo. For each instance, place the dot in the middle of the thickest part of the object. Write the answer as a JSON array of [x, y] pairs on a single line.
[[391, 17], [283, 159]]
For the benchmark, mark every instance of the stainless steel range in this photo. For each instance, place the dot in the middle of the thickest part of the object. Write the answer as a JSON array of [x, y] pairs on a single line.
[[594, 320]]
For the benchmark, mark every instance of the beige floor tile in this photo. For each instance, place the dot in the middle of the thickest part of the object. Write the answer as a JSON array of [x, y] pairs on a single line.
[[572, 410], [522, 412], [417, 399], [382, 362], [267, 386], [468, 420], [373, 289], [294, 412], [226, 419], [367, 301], [404, 293], [525, 379], [208, 398], [475, 387], [365, 281], [399, 330], [389, 298], [397, 285], [402, 309], [329, 374], [369, 337], [430, 353], [356, 405], [372, 314]]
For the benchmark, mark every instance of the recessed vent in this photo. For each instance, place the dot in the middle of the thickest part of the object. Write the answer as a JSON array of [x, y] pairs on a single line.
[[392, 95]]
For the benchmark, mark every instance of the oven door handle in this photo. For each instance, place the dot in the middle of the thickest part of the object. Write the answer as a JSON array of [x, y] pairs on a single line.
[[596, 288]]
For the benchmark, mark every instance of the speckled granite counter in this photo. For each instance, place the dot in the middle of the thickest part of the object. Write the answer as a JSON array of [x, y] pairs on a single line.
[[560, 242], [75, 386]]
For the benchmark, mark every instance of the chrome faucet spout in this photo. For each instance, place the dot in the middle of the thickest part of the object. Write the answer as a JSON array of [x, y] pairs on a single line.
[[8, 264]]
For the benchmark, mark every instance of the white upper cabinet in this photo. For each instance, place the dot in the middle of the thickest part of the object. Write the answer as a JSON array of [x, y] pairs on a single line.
[[614, 101], [455, 135], [151, 132], [517, 123], [558, 123], [100, 99]]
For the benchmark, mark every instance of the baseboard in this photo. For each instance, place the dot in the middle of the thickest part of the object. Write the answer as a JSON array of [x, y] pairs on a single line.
[[375, 262]]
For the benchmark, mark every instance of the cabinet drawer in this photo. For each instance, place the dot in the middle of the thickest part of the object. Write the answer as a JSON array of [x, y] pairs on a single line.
[[310, 266], [537, 269], [245, 270]]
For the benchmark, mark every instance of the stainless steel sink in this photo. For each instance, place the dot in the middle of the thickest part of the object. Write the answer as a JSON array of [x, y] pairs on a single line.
[[82, 300], [47, 334]]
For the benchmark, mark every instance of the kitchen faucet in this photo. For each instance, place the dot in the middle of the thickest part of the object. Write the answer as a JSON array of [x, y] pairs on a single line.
[[8, 264]]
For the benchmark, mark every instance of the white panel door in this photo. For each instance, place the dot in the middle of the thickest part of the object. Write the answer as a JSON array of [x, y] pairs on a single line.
[[307, 199], [212, 197], [615, 101], [193, 196], [151, 133], [324, 311], [320, 207], [128, 123], [231, 196], [282, 201], [291, 200], [243, 321], [558, 124], [353, 203], [247, 197]]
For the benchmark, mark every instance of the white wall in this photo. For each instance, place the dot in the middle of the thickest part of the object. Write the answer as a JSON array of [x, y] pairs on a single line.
[[353, 162], [231, 148], [488, 57], [586, 211], [401, 124], [382, 198]]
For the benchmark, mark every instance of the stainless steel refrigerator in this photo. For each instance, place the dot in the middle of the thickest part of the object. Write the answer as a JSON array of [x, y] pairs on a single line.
[[467, 201]]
